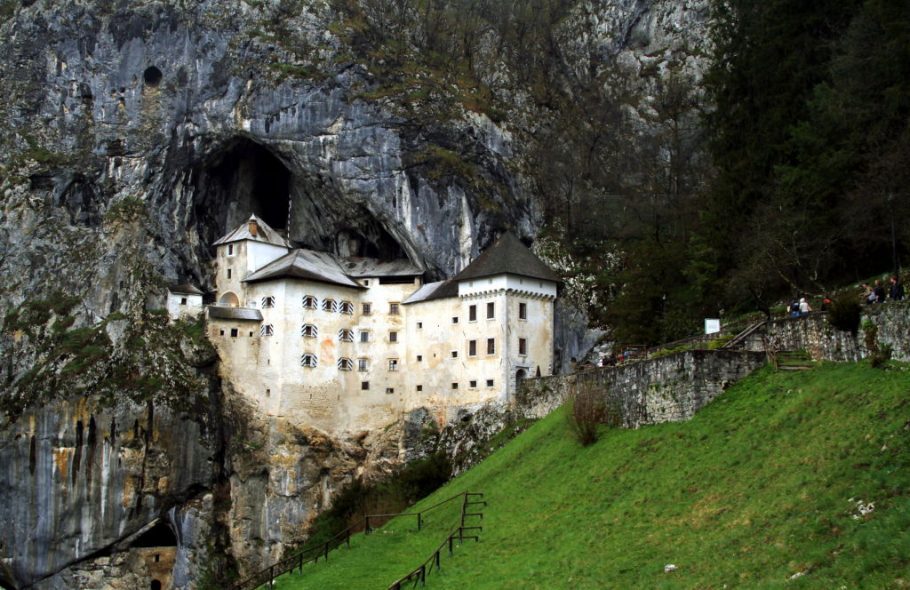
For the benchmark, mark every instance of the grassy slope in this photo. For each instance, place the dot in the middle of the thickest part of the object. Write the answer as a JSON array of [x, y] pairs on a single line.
[[755, 488]]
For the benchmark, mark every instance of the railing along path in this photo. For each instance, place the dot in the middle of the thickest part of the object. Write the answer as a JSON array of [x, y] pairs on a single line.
[[266, 577]]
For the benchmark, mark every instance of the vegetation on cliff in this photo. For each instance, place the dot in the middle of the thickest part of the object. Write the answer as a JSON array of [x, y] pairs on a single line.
[[787, 480]]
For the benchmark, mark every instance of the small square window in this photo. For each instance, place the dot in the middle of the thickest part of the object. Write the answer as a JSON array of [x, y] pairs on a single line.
[[251, 334], [364, 335], [309, 302], [233, 332], [390, 390], [489, 383], [268, 393], [393, 364], [522, 311], [419, 325], [267, 330], [472, 348], [183, 301], [393, 309], [522, 346], [472, 313], [362, 365], [455, 386], [472, 384], [491, 310], [393, 336], [491, 345], [367, 309], [455, 319], [420, 388], [419, 358], [364, 385], [366, 282], [222, 332], [268, 302]]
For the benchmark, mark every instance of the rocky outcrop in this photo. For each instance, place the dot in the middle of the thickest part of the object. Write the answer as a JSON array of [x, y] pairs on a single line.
[[137, 134]]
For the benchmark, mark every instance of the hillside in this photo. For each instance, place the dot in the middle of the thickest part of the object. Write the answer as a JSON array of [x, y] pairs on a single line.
[[763, 484]]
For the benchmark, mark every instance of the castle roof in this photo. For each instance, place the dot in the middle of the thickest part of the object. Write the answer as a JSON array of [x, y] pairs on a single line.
[[221, 312], [185, 289], [304, 264], [431, 291], [264, 233], [507, 256]]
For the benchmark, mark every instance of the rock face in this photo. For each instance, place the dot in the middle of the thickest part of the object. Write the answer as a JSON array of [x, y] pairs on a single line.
[[134, 135]]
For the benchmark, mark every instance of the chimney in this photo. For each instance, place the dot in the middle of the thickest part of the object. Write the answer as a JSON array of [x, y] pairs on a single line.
[[254, 228]]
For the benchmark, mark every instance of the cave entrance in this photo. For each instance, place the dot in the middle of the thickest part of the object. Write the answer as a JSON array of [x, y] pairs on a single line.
[[244, 178], [156, 585]]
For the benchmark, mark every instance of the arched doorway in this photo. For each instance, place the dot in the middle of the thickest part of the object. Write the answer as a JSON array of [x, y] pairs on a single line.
[[229, 300], [156, 585], [520, 376]]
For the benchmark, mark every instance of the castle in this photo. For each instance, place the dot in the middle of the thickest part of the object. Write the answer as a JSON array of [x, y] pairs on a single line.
[[349, 344]]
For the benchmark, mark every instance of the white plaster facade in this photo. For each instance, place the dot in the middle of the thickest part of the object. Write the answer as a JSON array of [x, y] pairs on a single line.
[[184, 301], [352, 352]]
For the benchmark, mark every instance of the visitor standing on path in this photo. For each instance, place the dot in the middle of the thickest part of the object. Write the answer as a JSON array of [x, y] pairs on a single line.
[[804, 307], [897, 289]]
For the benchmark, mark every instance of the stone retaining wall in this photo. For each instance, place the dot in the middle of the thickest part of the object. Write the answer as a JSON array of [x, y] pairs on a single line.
[[667, 389]]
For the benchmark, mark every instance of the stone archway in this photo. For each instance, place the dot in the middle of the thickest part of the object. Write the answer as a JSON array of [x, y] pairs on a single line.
[[520, 376], [229, 299]]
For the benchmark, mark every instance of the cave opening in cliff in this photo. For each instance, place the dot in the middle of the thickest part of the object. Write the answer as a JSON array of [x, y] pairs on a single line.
[[159, 535], [241, 179]]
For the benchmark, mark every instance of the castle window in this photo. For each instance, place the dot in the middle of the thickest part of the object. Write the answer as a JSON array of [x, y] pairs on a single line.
[[393, 309], [346, 308], [472, 384], [222, 332], [233, 332], [308, 360], [364, 335], [309, 302], [390, 390], [472, 313], [345, 335], [364, 385], [362, 365], [522, 311], [522, 346], [491, 310], [420, 388], [345, 364], [329, 305], [267, 330], [393, 336], [489, 383], [393, 365], [419, 358], [228, 273], [454, 354], [268, 301], [230, 249], [455, 386], [472, 348], [455, 319], [419, 325], [491, 345], [309, 331], [367, 309], [183, 301]]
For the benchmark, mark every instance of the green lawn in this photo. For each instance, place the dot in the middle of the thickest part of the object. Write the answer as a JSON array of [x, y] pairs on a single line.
[[759, 486]]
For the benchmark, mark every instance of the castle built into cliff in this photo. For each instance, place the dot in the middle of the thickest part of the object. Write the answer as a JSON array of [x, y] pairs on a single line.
[[350, 344]]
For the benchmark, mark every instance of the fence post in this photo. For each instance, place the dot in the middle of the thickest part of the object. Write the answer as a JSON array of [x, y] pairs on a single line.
[[423, 575], [326, 550], [271, 576], [419, 520], [437, 560], [451, 537], [366, 526]]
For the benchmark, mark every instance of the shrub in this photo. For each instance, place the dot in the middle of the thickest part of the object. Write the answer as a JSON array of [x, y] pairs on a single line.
[[588, 411], [845, 313]]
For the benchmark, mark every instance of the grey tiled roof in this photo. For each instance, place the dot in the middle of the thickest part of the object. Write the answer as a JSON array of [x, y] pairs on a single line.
[[185, 289], [507, 256], [219, 312], [264, 234], [304, 264], [431, 291]]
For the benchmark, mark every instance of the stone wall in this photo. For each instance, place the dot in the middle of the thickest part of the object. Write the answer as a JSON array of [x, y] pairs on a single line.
[[667, 389], [824, 342]]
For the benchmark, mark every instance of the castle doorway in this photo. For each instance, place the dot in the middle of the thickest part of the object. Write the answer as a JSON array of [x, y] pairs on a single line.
[[156, 585], [520, 376]]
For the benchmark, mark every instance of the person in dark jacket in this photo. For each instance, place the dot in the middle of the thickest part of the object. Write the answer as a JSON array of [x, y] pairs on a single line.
[[897, 289], [879, 292]]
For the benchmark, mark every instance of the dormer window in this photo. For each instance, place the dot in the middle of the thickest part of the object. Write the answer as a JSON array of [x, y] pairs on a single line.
[[309, 302], [309, 331], [345, 364], [345, 335], [308, 360], [346, 307], [329, 305], [268, 301], [267, 330]]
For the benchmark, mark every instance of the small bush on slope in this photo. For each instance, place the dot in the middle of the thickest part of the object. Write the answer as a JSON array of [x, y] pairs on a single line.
[[763, 484]]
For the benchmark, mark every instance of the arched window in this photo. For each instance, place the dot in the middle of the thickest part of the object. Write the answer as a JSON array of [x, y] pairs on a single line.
[[229, 300], [309, 331], [345, 364], [309, 360]]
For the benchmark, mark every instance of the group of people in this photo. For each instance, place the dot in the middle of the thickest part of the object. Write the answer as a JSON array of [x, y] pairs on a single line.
[[876, 293], [799, 308]]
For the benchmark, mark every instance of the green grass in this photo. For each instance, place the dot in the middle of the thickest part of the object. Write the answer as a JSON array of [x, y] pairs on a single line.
[[760, 485]]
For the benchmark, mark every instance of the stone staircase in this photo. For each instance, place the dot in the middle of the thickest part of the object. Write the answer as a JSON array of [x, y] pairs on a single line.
[[794, 360]]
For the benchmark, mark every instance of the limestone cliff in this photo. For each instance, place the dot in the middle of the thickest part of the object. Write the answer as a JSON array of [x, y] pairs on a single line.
[[134, 135]]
